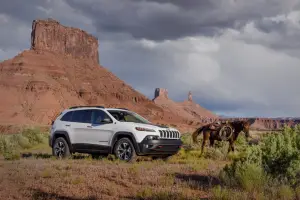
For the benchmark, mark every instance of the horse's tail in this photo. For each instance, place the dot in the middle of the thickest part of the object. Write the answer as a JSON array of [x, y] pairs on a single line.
[[196, 133]]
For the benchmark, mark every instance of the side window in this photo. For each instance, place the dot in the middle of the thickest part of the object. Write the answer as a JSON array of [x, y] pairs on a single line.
[[67, 117], [100, 117], [82, 116]]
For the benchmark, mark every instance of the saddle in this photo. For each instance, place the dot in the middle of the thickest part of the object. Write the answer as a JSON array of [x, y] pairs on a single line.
[[224, 129], [217, 125]]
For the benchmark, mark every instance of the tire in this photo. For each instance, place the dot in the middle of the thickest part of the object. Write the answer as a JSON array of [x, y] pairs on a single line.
[[124, 150], [60, 148]]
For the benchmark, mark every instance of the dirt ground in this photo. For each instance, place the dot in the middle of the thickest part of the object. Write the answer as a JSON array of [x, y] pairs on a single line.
[[39, 176], [78, 179]]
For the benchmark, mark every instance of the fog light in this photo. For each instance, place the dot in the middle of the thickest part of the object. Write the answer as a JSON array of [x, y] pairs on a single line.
[[148, 146], [152, 137]]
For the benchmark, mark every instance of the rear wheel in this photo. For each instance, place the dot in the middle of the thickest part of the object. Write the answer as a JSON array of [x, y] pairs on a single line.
[[124, 150], [61, 148]]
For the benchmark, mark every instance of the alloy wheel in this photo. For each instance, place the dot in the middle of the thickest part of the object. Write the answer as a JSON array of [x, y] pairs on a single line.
[[59, 149], [124, 151]]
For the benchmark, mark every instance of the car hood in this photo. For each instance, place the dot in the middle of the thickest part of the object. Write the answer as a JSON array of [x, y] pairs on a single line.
[[150, 126]]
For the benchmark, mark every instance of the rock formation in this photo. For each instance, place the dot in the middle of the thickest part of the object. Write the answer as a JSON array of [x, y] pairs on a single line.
[[264, 124], [61, 70], [190, 97], [195, 115], [161, 92], [52, 36], [192, 113]]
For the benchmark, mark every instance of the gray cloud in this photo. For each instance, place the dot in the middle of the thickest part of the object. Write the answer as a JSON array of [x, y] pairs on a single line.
[[237, 57], [165, 19]]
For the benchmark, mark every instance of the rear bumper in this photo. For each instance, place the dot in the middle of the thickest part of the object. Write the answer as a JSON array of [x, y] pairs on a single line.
[[159, 147]]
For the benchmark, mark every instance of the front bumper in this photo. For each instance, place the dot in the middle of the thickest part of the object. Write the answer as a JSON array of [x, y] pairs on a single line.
[[159, 147]]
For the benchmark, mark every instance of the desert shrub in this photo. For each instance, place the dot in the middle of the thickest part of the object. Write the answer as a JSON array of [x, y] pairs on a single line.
[[9, 148], [285, 192], [215, 153], [281, 154], [271, 168], [245, 170], [186, 139], [11, 145], [21, 140], [34, 135]]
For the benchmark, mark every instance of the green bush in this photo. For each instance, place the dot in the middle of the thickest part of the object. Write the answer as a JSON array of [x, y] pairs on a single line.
[[281, 154], [11, 145], [274, 163], [244, 167], [35, 136]]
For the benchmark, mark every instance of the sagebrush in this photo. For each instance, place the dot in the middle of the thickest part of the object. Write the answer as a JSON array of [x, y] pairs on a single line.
[[11, 145], [270, 169]]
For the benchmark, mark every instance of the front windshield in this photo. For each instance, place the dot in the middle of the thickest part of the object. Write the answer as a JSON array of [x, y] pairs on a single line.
[[127, 116]]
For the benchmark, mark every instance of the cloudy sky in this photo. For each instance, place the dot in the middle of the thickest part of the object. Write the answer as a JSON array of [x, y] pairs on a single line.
[[238, 57]]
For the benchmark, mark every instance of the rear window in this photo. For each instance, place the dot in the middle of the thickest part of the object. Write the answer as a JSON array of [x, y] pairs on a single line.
[[67, 117], [82, 116]]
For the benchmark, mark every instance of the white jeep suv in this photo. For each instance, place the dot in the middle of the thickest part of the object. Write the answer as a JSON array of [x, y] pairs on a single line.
[[97, 130]]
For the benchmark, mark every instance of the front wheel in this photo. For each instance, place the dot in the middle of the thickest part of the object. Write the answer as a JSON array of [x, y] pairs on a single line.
[[61, 148], [124, 150]]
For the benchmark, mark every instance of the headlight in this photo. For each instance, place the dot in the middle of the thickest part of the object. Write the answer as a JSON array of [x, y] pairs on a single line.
[[144, 129], [152, 137]]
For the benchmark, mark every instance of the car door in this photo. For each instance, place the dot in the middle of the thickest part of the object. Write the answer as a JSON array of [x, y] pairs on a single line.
[[80, 123], [102, 129]]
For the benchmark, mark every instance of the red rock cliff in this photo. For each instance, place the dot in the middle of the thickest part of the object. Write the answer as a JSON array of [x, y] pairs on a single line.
[[52, 36]]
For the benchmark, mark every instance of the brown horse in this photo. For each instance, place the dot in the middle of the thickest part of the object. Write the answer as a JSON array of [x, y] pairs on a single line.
[[212, 134]]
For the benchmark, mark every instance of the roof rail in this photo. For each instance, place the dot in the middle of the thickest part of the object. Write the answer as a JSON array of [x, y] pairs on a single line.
[[73, 107], [123, 108]]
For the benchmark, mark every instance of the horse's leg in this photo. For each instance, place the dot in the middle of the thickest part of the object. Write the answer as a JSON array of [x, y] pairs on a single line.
[[205, 138], [212, 142], [231, 147], [203, 145]]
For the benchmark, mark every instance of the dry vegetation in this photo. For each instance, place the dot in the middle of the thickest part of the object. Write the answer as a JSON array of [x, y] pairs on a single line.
[[28, 171]]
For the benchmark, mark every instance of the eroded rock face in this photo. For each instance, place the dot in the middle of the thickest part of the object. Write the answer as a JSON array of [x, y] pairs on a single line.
[[193, 113], [161, 92], [264, 124], [39, 83], [52, 36]]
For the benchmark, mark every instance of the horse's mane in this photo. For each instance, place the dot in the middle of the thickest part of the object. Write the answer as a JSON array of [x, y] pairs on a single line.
[[237, 124]]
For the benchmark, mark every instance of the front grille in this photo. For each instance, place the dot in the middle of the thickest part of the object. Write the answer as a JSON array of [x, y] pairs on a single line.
[[164, 134]]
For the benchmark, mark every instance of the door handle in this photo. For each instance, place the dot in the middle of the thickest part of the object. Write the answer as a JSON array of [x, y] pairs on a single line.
[[68, 125], [89, 126]]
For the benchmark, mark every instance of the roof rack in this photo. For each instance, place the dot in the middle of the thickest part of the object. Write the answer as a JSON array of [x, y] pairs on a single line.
[[123, 108], [73, 107]]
